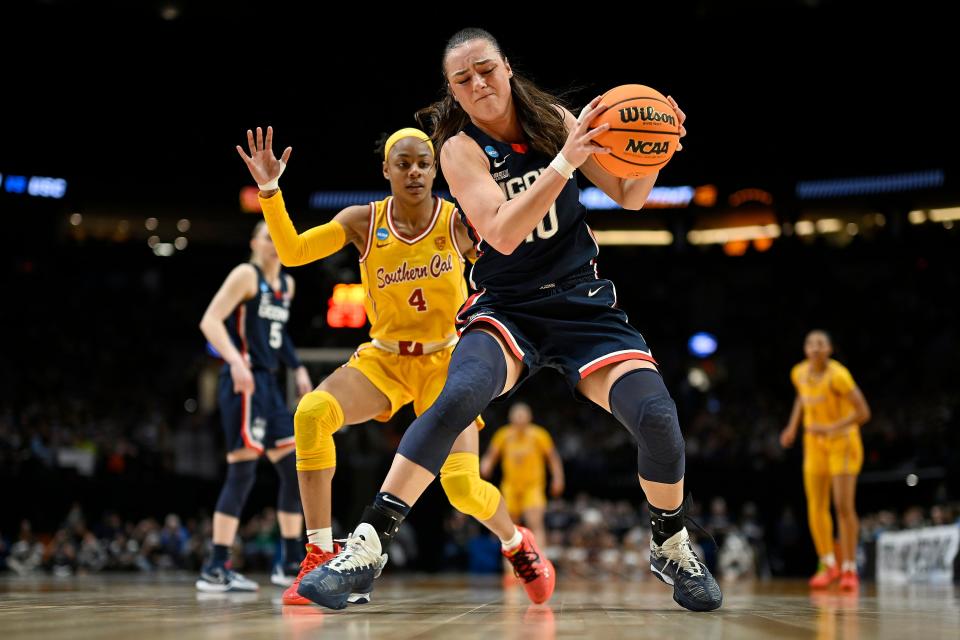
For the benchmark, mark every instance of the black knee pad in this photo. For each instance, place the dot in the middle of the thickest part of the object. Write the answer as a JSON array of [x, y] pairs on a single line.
[[288, 496], [641, 402], [476, 376], [236, 488]]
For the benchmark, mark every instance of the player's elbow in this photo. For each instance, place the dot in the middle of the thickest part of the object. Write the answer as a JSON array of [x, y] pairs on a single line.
[[503, 241], [293, 253], [631, 201], [205, 324], [505, 247], [288, 258]]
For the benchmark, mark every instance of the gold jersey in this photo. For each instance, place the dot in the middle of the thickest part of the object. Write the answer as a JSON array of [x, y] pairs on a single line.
[[414, 286]]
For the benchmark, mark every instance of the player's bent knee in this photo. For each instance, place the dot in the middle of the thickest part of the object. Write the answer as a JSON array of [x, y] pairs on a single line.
[[319, 415], [466, 490], [641, 402]]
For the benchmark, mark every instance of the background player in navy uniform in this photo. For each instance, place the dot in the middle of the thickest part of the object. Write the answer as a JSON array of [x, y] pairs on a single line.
[[539, 303], [246, 323]]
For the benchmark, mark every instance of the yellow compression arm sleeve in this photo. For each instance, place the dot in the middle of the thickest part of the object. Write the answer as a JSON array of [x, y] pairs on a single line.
[[297, 249]]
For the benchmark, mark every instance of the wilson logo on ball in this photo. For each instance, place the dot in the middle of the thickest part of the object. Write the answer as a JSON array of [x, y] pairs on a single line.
[[646, 114], [642, 130]]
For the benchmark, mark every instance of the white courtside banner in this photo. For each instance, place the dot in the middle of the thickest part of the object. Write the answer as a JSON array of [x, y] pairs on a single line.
[[918, 555]]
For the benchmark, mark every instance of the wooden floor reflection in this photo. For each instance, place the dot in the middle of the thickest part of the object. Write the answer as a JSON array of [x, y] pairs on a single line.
[[150, 608]]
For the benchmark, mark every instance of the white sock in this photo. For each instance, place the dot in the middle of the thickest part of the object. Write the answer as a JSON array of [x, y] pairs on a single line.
[[323, 538], [829, 560], [514, 542], [850, 565]]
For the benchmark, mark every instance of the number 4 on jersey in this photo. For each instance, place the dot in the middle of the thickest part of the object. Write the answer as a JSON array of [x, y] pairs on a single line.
[[417, 300]]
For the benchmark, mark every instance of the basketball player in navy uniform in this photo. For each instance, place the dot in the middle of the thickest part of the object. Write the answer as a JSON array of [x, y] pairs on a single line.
[[246, 323], [509, 153]]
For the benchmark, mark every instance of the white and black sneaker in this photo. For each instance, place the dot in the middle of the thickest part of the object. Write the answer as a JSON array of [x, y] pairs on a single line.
[[284, 573], [676, 563], [222, 580], [349, 576]]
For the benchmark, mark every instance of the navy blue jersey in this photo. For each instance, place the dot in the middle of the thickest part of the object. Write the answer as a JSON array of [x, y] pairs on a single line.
[[258, 325], [562, 243]]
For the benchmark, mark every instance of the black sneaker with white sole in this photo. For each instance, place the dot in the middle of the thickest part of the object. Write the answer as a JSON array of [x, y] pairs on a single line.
[[675, 563]]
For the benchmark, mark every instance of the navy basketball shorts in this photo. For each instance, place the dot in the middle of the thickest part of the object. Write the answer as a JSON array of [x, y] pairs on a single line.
[[261, 421], [573, 326]]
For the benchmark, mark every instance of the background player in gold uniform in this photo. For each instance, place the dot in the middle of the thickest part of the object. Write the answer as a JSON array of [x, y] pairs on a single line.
[[526, 449], [832, 408]]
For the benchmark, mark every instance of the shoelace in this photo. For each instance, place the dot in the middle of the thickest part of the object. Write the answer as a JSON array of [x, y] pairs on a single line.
[[523, 564], [311, 562], [354, 555], [682, 553]]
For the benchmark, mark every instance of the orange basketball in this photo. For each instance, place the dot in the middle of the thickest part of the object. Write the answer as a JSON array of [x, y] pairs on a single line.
[[644, 131]]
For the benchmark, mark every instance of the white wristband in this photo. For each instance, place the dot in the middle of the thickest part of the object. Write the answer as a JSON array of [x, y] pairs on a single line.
[[273, 184], [563, 167]]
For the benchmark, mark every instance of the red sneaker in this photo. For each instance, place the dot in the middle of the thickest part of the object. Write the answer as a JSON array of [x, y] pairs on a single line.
[[849, 581], [315, 557], [532, 568], [825, 577]]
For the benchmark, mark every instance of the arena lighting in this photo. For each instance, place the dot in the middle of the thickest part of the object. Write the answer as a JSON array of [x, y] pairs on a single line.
[[698, 379], [37, 186], [43, 187], [702, 344], [591, 197], [743, 196], [345, 307], [804, 228], [329, 200], [660, 198], [919, 216], [868, 185], [732, 234], [624, 237], [943, 215], [163, 249], [249, 202], [705, 196], [828, 225]]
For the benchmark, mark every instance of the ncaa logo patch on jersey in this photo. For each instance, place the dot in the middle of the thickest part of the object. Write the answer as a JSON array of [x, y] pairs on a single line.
[[440, 242], [382, 234], [493, 153], [264, 287]]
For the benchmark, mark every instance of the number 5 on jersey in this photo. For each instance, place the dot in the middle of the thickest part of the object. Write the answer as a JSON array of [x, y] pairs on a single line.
[[276, 335], [417, 300]]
